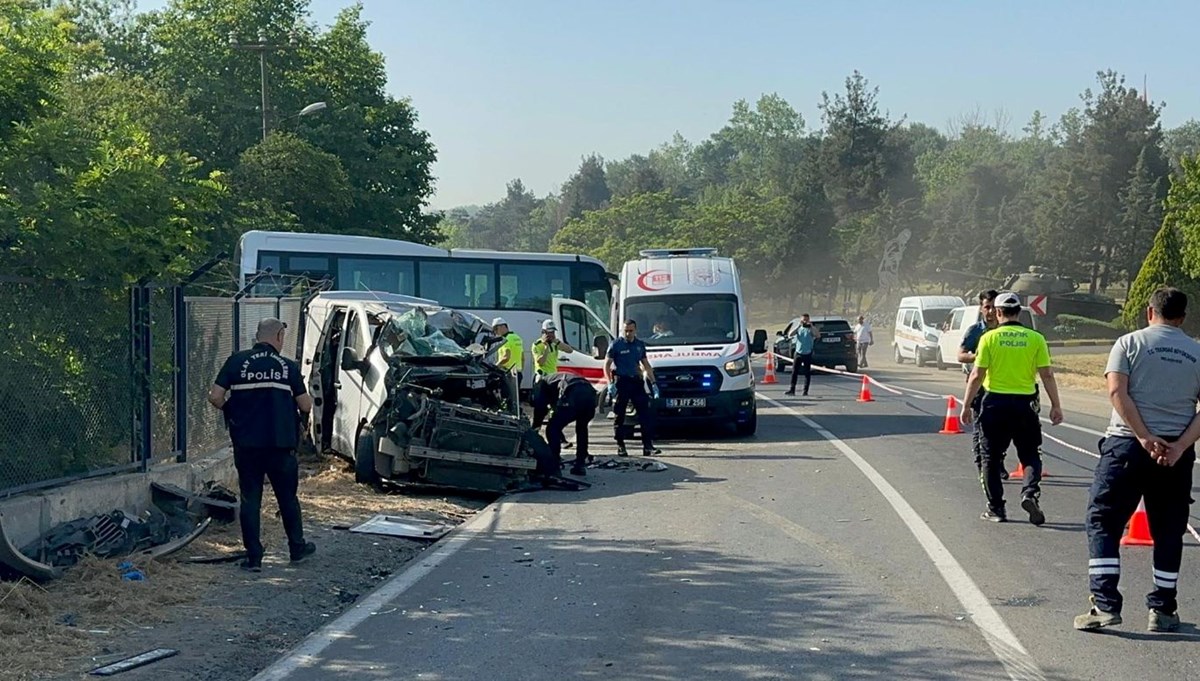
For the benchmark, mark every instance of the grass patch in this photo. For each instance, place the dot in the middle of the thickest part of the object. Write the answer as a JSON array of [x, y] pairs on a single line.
[[1082, 372]]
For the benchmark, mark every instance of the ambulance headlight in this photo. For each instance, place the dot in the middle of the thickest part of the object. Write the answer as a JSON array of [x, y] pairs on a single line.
[[738, 366]]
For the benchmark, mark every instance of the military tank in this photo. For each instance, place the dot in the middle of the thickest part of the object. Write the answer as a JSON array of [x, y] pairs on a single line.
[[1062, 293]]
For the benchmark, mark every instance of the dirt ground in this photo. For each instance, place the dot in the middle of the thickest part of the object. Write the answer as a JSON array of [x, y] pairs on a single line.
[[1082, 372], [225, 623]]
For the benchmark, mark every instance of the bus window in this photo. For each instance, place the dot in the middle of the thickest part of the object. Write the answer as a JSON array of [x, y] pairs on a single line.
[[531, 287], [462, 284], [376, 274], [311, 266]]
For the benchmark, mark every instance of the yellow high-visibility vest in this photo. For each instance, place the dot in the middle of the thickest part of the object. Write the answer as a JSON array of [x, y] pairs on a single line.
[[511, 356]]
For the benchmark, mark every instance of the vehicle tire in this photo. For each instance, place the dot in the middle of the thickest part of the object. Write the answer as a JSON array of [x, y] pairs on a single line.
[[899, 359], [920, 359], [749, 427], [940, 364], [852, 368], [364, 457]]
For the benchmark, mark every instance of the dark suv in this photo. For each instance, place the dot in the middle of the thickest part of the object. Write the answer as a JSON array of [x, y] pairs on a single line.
[[836, 346]]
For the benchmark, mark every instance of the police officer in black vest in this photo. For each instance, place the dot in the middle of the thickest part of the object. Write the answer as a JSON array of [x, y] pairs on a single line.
[[572, 399], [261, 393]]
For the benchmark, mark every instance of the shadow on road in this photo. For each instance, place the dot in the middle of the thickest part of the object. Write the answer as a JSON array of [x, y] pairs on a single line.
[[680, 611]]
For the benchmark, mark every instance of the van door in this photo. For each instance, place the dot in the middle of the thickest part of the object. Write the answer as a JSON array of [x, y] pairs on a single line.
[[903, 334], [350, 384], [583, 331], [323, 378]]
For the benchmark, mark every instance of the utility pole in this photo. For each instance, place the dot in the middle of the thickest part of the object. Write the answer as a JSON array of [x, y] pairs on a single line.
[[262, 47]]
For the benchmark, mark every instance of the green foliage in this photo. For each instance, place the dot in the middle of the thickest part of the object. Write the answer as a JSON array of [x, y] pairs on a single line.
[[617, 233], [1162, 267], [1075, 326]]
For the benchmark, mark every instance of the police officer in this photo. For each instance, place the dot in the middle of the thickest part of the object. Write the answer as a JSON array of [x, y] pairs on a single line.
[[546, 348], [1147, 454], [966, 356], [805, 337], [573, 399], [1008, 361], [511, 355], [623, 369], [259, 392]]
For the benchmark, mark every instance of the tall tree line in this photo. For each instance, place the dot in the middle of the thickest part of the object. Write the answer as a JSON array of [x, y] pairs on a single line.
[[131, 144], [811, 210]]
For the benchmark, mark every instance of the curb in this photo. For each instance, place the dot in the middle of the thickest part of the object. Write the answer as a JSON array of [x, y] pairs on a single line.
[[1080, 343]]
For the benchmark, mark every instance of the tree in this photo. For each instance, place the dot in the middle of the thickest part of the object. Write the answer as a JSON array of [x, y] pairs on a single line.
[[1182, 210], [616, 234], [1162, 267], [587, 189], [634, 175], [293, 176], [1182, 141], [37, 50]]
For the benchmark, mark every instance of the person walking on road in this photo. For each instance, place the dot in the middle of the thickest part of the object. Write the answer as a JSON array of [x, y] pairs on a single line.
[[804, 337], [865, 338], [966, 357], [569, 398], [1008, 362], [260, 392], [1147, 455], [627, 360]]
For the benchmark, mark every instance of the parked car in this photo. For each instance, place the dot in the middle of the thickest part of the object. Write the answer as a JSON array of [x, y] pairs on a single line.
[[955, 327], [836, 347]]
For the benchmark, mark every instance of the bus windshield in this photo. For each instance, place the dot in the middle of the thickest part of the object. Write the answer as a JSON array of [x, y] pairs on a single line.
[[684, 319]]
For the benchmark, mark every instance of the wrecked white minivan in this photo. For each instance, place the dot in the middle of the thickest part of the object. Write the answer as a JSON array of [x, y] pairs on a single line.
[[403, 388]]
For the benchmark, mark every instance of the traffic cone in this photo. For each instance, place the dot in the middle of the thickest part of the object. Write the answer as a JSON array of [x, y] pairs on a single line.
[[864, 394], [1019, 472], [952, 425], [1137, 532], [769, 376]]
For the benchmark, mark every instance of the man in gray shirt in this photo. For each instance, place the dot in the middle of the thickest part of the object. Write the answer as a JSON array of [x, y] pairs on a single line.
[[1147, 454]]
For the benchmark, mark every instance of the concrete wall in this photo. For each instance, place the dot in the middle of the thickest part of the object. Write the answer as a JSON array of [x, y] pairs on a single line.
[[28, 516]]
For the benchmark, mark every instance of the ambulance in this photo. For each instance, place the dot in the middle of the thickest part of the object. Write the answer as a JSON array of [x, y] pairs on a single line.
[[690, 312]]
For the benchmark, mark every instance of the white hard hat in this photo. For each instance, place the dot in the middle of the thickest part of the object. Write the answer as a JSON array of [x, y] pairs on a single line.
[[499, 321], [548, 325]]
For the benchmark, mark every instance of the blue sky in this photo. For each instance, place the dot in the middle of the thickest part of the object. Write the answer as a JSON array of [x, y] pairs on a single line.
[[525, 88]]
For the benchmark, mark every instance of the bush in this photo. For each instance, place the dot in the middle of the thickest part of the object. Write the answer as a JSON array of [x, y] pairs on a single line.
[[1074, 326]]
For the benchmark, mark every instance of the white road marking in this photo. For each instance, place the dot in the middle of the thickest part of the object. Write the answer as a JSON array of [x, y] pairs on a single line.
[[306, 654], [1016, 660]]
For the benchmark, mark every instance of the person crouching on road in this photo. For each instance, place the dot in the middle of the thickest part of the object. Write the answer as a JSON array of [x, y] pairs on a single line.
[[1009, 360], [805, 337], [865, 337], [623, 368], [260, 391], [966, 357], [1147, 454], [573, 399]]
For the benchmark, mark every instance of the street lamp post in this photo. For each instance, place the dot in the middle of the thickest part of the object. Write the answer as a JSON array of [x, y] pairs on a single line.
[[262, 47]]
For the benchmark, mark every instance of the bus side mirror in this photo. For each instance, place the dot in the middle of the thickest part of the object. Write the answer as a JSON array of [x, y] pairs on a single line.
[[600, 347], [759, 345]]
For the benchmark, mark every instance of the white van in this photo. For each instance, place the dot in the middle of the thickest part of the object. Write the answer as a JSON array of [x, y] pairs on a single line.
[[956, 324], [701, 354], [918, 331]]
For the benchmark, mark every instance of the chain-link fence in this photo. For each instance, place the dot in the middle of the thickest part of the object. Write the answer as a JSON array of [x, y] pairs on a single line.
[[97, 380], [65, 381]]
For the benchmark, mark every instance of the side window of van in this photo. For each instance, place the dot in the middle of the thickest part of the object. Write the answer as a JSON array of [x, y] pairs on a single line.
[[914, 320], [956, 320]]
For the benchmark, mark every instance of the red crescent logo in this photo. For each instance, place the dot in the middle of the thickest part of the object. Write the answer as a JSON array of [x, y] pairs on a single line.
[[654, 280]]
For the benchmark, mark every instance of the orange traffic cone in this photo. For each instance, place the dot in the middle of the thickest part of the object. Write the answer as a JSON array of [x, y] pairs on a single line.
[[1019, 472], [1137, 532], [769, 376], [864, 394], [952, 425]]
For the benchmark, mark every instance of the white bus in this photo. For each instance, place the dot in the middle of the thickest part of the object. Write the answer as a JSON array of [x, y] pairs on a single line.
[[520, 287]]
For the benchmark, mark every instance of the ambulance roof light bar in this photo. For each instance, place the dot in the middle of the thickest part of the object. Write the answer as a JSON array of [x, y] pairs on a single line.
[[678, 253]]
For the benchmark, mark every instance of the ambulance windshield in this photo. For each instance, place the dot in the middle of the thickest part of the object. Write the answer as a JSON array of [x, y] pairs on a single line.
[[685, 319]]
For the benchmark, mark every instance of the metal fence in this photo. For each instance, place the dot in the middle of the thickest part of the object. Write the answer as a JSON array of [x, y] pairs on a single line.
[[96, 380]]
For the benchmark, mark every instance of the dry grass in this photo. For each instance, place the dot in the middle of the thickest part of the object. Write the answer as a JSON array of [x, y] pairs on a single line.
[[58, 627], [51, 628], [1081, 372]]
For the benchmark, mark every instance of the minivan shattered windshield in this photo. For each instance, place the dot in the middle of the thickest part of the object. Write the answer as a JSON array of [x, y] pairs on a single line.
[[684, 319], [416, 333]]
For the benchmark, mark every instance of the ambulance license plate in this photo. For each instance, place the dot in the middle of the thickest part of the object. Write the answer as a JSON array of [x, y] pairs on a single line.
[[686, 402]]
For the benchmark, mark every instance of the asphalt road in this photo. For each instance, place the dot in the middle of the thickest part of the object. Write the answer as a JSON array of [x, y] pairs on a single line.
[[842, 541]]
